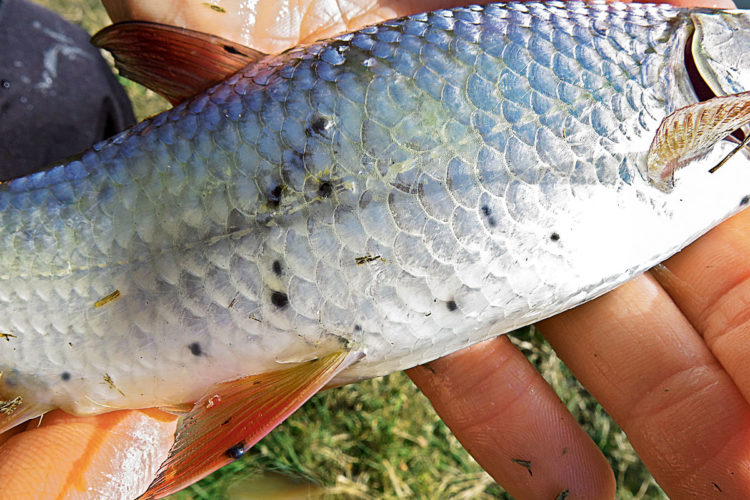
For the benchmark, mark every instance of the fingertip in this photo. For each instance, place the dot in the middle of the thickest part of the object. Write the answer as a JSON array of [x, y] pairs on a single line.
[[513, 423], [644, 362]]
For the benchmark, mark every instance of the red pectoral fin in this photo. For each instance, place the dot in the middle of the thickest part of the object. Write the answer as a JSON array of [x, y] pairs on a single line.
[[176, 63], [690, 132], [235, 415]]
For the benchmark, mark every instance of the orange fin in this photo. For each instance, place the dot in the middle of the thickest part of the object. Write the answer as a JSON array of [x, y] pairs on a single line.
[[174, 62], [235, 415], [691, 131]]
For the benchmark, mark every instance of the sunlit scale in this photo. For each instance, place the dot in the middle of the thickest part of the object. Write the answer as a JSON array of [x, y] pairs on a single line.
[[402, 192]]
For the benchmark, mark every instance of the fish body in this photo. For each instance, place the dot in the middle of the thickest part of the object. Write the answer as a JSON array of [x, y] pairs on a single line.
[[402, 191]]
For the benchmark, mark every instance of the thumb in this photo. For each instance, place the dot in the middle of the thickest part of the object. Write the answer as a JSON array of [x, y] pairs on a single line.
[[114, 455]]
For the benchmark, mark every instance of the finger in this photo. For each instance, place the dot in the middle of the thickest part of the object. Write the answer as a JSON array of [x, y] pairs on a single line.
[[640, 357], [113, 455], [256, 23], [513, 423], [710, 283]]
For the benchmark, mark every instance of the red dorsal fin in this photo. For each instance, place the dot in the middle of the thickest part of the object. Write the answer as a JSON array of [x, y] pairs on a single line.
[[174, 62], [235, 415]]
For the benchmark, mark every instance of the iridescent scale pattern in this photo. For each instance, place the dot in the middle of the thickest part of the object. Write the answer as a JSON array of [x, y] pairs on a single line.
[[405, 190]]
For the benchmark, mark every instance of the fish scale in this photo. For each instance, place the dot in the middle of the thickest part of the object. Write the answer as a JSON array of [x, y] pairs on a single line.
[[405, 191]]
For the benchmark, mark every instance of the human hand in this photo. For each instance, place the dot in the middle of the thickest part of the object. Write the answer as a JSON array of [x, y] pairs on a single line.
[[113, 455], [500, 407], [666, 358], [257, 24]]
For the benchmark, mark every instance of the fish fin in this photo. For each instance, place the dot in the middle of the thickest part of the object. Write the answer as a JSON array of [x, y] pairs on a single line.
[[235, 415], [15, 411], [690, 132], [176, 63]]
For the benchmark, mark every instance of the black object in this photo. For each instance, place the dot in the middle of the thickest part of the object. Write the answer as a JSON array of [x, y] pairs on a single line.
[[57, 95]]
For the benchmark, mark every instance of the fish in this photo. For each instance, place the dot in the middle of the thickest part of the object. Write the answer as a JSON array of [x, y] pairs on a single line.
[[359, 206]]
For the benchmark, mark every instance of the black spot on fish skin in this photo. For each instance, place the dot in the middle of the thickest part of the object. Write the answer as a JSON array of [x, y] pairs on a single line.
[[236, 451], [487, 212], [279, 299], [318, 126], [195, 349], [451, 305], [65, 376], [276, 266], [745, 200], [274, 197], [325, 190], [232, 50], [554, 237], [357, 328]]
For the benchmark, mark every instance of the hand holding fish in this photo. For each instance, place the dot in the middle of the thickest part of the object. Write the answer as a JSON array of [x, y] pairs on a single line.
[[664, 354]]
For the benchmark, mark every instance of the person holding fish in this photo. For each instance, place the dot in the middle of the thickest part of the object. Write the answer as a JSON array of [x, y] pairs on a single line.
[[664, 353]]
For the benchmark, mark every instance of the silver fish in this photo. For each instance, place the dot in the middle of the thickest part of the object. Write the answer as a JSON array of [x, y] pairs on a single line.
[[374, 201]]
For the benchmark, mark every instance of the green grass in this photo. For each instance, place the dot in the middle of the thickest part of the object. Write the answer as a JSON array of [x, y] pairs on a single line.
[[381, 438]]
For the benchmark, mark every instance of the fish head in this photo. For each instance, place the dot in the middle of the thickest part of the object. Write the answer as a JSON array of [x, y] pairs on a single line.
[[721, 49]]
